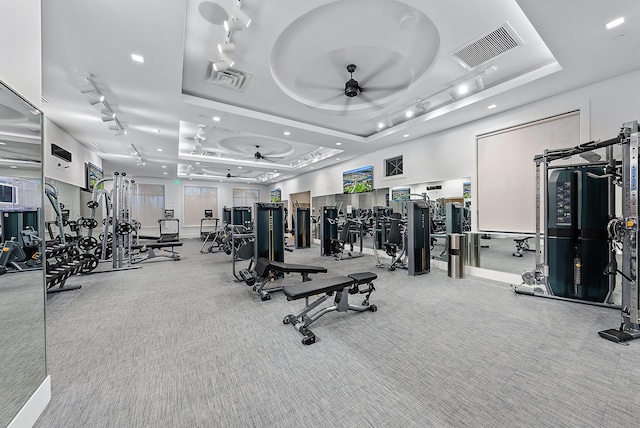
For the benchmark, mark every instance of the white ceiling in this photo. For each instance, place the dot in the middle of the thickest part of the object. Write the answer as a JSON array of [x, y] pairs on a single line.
[[294, 59]]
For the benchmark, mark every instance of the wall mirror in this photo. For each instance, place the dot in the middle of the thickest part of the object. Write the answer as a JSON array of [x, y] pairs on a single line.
[[22, 315]]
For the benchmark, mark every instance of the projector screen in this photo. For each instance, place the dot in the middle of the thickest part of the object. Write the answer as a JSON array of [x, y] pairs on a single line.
[[506, 171]]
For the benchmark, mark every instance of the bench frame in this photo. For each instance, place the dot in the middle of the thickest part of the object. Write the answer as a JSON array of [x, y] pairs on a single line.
[[344, 286], [273, 270]]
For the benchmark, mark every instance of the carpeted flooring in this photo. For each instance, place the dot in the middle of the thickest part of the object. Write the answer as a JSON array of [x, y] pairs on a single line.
[[180, 344]]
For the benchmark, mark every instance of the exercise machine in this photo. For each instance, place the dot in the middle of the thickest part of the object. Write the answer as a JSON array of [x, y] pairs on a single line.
[[328, 229], [169, 227], [574, 226], [302, 230], [208, 225], [418, 237], [341, 287]]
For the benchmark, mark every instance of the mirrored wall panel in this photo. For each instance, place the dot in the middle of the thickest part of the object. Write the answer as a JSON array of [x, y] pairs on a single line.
[[22, 315]]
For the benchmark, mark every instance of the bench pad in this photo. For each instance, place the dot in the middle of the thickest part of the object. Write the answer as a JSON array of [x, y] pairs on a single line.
[[158, 245], [264, 265], [363, 277], [326, 285]]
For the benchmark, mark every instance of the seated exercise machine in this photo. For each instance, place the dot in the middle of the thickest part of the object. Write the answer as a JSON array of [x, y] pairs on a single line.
[[522, 245], [342, 286], [267, 271], [395, 245]]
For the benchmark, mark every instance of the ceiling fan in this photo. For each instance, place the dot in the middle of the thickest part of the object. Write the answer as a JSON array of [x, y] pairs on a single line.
[[355, 89], [259, 156]]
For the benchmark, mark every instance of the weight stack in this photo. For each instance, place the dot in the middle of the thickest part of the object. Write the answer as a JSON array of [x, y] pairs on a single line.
[[577, 233]]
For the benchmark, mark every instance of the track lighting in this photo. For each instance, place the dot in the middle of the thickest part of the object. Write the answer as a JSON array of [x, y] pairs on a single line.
[[233, 25], [108, 119], [227, 46], [95, 98], [227, 59], [239, 14], [220, 65], [466, 88], [108, 113]]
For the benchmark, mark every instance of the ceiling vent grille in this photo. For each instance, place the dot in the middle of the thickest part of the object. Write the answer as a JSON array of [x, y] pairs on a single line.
[[229, 78], [487, 47]]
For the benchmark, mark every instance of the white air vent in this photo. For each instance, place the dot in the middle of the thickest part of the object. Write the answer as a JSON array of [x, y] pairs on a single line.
[[487, 47], [229, 78]]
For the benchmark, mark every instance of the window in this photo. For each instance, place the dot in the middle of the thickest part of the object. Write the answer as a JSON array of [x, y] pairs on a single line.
[[245, 197], [149, 206], [196, 200], [393, 166]]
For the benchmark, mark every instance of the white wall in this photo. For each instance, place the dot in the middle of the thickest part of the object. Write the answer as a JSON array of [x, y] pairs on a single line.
[[68, 172], [20, 48], [451, 154], [173, 194]]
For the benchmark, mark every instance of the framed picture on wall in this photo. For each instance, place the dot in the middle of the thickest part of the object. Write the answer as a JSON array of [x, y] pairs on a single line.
[[276, 195], [93, 174]]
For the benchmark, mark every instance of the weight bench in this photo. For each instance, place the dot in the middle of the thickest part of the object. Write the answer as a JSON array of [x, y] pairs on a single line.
[[342, 286], [151, 248], [522, 245], [268, 271]]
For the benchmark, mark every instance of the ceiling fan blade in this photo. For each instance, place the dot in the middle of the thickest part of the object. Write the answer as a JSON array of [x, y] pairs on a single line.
[[333, 98], [315, 85], [382, 88], [374, 104]]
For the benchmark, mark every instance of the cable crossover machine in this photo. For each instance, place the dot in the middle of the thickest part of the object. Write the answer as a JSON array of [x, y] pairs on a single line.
[[583, 236]]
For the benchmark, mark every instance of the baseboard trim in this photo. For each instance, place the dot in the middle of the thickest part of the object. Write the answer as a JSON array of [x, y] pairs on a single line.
[[33, 408]]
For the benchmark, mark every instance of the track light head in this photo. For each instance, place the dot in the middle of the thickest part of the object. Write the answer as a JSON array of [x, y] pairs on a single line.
[[220, 65], [233, 25], [227, 46], [239, 14], [108, 119], [108, 113], [227, 59]]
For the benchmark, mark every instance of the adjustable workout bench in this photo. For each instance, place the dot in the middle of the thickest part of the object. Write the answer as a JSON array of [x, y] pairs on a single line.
[[151, 248], [267, 271], [342, 286], [522, 245]]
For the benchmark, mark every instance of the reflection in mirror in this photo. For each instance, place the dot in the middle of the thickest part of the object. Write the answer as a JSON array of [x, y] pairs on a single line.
[[22, 335]]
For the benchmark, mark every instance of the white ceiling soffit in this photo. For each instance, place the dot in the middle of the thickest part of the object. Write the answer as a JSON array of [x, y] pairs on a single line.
[[296, 59]]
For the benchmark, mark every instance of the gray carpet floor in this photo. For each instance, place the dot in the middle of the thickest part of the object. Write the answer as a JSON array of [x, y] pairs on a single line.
[[180, 344]]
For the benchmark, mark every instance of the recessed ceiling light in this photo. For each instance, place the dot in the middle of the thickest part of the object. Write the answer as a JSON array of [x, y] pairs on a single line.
[[338, 143], [239, 167], [337, 158], [164, 166], [614, 23], [159, 150], [14, 167], [492, 106], [405, 135], [287, 133], [2, 144], [165, 173], [463, 89], [197, 163], [311, 167], [216, 119], [137, 58]]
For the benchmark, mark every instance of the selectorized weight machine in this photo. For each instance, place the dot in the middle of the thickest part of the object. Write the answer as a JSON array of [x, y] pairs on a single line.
[[328, 229], [303, 227], [583, 234]]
